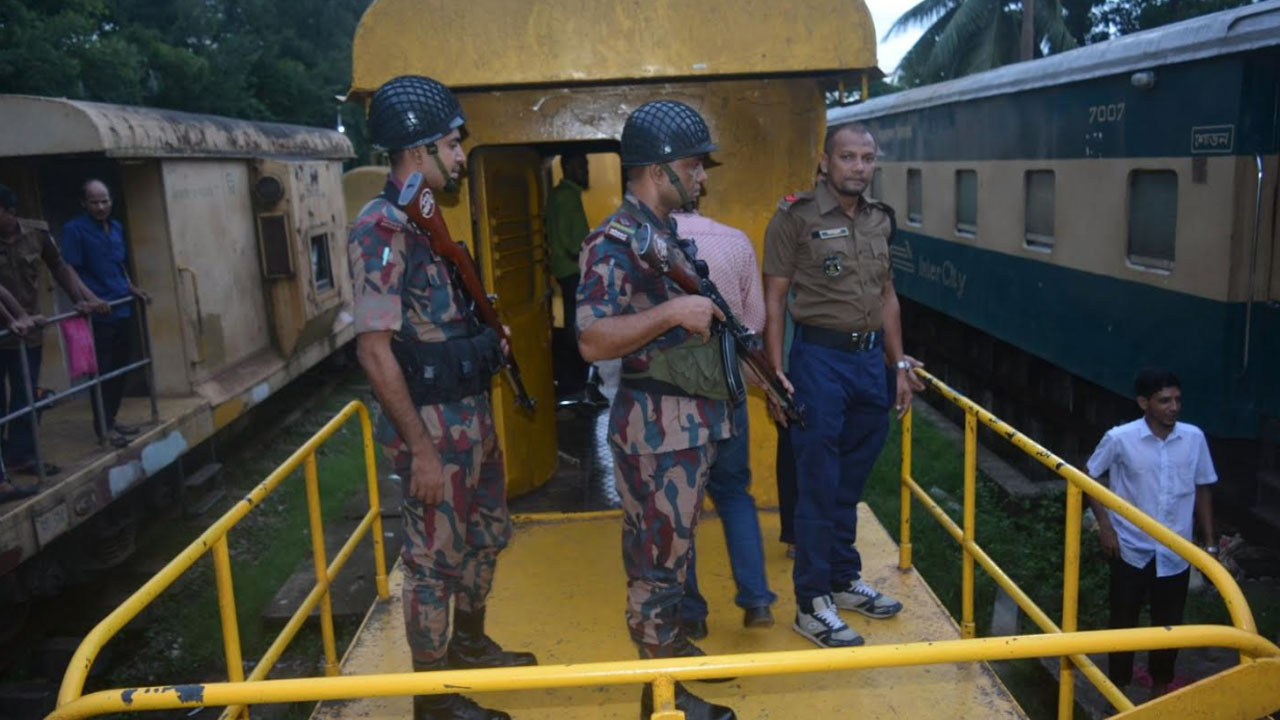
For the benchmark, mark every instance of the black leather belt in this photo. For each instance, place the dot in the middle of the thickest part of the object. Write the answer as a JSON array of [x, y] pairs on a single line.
[[850, 341]]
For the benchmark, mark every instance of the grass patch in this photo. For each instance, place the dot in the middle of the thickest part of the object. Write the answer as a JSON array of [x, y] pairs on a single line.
[[178, 638], [1025, 537]]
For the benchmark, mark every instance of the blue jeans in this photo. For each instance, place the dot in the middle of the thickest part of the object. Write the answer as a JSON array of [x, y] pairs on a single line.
[[19, 435], [728, 485], [847, 404]]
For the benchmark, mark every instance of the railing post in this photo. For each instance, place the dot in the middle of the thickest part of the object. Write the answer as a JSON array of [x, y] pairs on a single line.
[[29, 388], [230, 624], [904, 526], [144, 337], [664, 700], [1070, 597], [321, 564], [375, 506], [967, 627], [95, 394]]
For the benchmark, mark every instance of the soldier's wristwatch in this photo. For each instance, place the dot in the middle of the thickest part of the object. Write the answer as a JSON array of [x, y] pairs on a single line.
[[903, 365]]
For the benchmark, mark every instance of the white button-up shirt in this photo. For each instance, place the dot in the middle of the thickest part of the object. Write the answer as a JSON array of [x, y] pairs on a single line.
[[1159, 477]]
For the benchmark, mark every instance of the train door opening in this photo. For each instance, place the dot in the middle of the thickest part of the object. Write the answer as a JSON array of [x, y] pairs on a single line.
[[510, 249], [508, 191]]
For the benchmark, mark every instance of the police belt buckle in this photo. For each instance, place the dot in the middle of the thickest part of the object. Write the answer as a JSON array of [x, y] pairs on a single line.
[[863, 340]]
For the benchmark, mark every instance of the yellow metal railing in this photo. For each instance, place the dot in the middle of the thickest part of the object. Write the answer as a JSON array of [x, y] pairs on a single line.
[[238, 693], [215, 539], [1077, 485]]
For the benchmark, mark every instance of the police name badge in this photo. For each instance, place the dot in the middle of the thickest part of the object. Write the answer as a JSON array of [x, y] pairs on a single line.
[[831, 265], [831, 233]]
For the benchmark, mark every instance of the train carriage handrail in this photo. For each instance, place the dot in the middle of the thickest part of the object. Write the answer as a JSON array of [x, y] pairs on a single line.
[[214, 539], [1078, 484], [89, 385], [661, 672], [1065, 641]]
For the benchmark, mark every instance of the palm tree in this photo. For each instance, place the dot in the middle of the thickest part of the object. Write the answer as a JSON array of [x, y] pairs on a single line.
[[968, 36]]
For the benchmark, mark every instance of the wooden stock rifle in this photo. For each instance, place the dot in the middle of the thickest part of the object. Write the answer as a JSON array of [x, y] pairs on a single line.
[[417, 201], [692, 277]]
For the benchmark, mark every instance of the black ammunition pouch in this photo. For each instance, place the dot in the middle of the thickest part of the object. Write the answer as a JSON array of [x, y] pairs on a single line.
[[449, 370]]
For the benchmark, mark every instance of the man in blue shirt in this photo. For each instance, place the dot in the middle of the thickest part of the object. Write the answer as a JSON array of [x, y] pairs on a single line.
[[93, 243]]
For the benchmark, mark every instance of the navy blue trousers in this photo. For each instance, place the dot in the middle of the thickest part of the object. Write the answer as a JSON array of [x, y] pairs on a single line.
[[729, 485], [846, 400]]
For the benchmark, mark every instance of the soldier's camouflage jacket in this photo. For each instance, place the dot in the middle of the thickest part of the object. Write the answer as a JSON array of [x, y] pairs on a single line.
[[615, 281], [401, 285]]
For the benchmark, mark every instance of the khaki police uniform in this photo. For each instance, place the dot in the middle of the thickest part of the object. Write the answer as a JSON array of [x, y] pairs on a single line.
[[838, 265]]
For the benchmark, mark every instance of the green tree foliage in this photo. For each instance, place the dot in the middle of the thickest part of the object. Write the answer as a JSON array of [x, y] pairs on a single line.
[[253, 59], [1112, 18], [968, 36]]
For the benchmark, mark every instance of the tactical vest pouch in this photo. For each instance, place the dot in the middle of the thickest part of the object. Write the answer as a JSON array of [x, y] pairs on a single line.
[[694, 368], [450, 370]]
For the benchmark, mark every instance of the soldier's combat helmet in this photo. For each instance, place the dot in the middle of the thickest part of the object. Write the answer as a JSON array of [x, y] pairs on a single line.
[[664, 130], [412, 110]]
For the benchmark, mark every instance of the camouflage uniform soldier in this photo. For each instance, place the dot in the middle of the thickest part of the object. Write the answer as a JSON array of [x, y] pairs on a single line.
[[662, 429], [439, 437]]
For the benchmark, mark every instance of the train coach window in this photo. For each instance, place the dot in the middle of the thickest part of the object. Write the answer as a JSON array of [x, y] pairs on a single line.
[[915, 197], [321, 269], [967, 202], [1153, 214], [1039, 209], [877, 184]]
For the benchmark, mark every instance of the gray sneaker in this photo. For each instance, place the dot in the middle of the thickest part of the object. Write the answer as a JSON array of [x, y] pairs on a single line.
[[861, 597], [822, 625]]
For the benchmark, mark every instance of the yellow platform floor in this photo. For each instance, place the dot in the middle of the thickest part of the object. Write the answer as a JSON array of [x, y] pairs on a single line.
[[560, 590]]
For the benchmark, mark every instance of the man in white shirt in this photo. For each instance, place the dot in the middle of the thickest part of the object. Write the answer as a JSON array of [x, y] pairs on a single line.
[[1163, 468]]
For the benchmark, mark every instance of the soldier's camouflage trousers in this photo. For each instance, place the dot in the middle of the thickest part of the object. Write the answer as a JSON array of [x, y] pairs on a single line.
[[661, 501], [450, 549]]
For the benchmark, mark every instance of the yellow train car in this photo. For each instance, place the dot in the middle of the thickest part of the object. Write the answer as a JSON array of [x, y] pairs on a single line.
[[539, 79], [236, 230]]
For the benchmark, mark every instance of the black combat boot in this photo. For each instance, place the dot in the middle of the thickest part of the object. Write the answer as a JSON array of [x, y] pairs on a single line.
[[694, 707], [470, 648], [684, 648], [450, 706]]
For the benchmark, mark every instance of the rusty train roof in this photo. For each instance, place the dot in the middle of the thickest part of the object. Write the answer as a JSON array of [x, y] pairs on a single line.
[[58, 126], [513, 43]]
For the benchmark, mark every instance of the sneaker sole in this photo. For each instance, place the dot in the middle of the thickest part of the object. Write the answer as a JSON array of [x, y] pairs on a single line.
[[814, 639], [874, 615]]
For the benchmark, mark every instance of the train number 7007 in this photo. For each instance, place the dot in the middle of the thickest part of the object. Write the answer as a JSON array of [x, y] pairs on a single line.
[[1106, 113]]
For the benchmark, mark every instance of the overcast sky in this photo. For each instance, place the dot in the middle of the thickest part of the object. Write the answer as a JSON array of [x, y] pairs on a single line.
[[884, 13]]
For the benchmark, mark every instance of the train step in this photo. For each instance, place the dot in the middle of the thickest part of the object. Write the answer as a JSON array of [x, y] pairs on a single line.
[[202, 489]]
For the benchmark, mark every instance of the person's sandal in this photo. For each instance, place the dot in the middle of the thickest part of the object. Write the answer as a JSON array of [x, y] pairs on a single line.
[[30, 469], [10, 492]]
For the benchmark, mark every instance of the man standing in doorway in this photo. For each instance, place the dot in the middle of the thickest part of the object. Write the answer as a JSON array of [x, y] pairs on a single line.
[[22, 249], [436, 427], [566, 229], [1162, 467], [93, 243], [664, 426], [731, 264], [831, 246]]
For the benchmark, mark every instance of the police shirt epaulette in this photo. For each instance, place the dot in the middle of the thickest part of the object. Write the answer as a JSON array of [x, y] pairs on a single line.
[[882, 206], [621, 228], [792, 198]]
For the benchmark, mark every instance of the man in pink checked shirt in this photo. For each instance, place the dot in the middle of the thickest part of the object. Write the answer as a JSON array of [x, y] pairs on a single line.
[[731, 261]]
